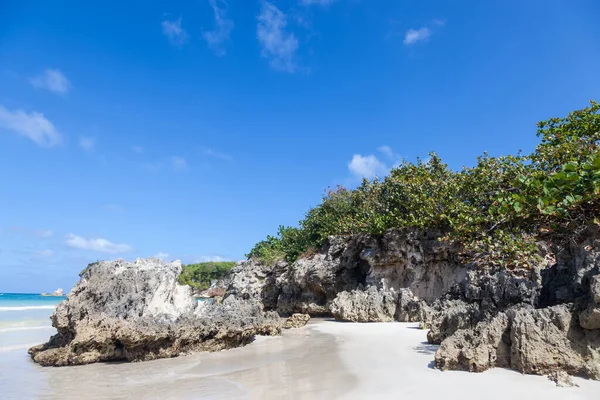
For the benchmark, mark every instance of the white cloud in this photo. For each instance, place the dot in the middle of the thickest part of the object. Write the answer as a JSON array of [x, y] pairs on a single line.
[[387, 150], [390, 154], [40, 233], [278, 45], [137, 149], [317, 2], [161, 256], [32, 125], [215, 154], [53, 80], [413, 36], [96, 244], [223, 28], [43, 233], [179, 163], [173, 30], [366, 166], [87, 143]]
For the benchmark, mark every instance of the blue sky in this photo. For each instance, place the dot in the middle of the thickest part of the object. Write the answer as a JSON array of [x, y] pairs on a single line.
[[193, 129]]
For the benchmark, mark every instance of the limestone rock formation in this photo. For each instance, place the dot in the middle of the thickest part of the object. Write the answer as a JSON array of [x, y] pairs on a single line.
[[483, 317], [590, 317], [296, 321], [532, 341], [137, 311], [370, 305], [398, 259], [555, 332]]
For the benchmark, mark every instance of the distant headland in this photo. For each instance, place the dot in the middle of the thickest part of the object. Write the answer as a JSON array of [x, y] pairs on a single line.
[[58, 292]]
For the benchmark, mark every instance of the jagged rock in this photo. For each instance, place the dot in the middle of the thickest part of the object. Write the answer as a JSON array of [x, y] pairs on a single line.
[[252, 279], [562, 379], [371, 305], [449, 316], [531, 341], [412, 259], [477, 349], [137, 311], [296, 321], [590, 317], [410, 308]]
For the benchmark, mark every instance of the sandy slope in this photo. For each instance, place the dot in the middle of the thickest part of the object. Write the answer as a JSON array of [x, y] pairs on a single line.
[[394, 361]]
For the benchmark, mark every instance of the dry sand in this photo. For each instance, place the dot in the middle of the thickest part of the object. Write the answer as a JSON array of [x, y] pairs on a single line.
[[325, 360]]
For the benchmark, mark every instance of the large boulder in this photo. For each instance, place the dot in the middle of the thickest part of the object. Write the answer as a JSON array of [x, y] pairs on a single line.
[[370, 305], [532, 341], [137, 311]]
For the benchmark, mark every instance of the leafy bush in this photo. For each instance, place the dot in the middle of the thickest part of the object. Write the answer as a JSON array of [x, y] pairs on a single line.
[[497, 210], [200, 275]]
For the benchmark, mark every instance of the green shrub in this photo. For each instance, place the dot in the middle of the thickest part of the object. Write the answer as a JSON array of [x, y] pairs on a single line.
[[200, 275], [496, 211]]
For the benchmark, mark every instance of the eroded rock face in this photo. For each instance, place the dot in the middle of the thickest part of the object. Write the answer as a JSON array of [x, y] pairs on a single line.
[[397, 259], [556, 333], [532, 341], [137, 311], [483, 317], [370, 305]]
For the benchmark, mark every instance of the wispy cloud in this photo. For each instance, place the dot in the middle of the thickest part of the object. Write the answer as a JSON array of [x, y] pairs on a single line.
[[277, 44], [317, 2], [223, 27], [174, 32], [137, 149], [40, 233], [87, 143], [53, 80], [423, 34], [32, 125], [161, 256], [43, 233], [413, 36], [96, 244], [215, 154], [43, 254], [179, 163], [390, 154]]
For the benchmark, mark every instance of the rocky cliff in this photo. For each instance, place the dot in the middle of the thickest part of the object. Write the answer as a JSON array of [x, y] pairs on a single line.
[[544, 320], [137, 311], [540, 320]]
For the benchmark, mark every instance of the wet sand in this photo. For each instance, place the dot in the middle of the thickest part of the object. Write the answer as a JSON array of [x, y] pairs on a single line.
[[325, 360]]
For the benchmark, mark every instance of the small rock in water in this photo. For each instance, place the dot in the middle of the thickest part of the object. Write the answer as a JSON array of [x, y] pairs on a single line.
[[296, 321]]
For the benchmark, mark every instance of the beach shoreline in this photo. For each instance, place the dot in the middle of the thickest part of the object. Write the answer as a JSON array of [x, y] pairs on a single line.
[[324, 360]]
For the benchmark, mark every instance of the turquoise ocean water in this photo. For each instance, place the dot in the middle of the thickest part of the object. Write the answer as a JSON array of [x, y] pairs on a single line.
[[25, 320]]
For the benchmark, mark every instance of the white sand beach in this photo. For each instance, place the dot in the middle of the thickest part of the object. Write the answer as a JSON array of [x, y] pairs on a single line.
[[325, 360]]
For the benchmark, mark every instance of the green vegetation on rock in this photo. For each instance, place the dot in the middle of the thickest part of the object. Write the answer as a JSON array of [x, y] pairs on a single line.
[[200, 275], [497, 211]]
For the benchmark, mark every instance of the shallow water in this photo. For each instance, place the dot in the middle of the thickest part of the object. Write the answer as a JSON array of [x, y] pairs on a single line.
[[302, 363], [25, 320]]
